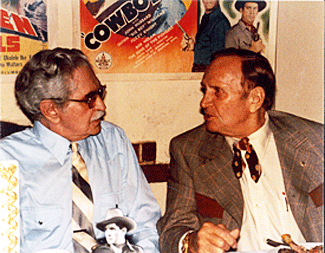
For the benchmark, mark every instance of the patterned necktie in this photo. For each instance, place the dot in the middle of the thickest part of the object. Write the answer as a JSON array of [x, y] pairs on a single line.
[[251, 158], [82, 205]]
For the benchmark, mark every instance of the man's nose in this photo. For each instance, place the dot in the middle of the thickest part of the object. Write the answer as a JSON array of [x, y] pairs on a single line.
[[205, 101], [99, 104]]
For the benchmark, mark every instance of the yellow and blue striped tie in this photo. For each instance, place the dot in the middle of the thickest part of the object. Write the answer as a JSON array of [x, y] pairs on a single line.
[[82, 205]]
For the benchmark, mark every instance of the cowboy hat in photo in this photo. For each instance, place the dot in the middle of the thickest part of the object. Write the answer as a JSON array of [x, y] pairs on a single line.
[[241, 3], [115, 215]]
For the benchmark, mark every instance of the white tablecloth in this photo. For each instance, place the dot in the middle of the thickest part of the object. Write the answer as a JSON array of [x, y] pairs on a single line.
[[276, 249]]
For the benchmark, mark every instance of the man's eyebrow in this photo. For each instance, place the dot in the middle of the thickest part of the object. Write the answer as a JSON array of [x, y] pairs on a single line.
[[89, 94]]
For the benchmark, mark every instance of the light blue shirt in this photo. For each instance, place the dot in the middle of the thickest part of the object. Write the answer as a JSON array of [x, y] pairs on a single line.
[[46, 185]]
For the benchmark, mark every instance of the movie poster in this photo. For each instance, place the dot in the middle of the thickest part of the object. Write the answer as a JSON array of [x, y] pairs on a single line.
[[23, 33], [146, 36], [137, 36]]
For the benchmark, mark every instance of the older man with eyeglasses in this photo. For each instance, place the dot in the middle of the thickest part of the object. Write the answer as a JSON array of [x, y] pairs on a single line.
[[73, 165]]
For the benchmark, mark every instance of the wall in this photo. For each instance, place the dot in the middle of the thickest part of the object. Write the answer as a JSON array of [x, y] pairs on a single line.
[[156, 107], [300, 58]]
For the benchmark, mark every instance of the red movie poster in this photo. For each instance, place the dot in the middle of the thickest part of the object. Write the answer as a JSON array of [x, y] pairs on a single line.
[[23, 32], [137, 36]]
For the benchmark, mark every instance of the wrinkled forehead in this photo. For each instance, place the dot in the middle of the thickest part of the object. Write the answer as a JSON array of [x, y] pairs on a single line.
[[84, 77], [223, 71], [223, 64]]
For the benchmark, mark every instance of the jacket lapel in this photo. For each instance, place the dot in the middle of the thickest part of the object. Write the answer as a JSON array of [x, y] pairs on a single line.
[[295, 162], [219, 181]]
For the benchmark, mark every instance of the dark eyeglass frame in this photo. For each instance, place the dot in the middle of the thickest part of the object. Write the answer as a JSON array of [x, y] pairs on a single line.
[[91, 97]]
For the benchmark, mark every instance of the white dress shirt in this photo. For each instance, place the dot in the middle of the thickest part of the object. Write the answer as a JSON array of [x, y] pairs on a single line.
[[267, 213]]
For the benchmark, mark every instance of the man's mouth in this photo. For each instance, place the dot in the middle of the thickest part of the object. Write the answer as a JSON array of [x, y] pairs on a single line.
[[207, 116]]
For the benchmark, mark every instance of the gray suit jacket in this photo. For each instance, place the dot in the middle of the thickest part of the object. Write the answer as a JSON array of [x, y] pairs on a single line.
[[203, 187]]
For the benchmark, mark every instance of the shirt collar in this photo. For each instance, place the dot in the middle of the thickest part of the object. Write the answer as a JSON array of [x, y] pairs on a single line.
[[54, 142], [242, 25], [250, 27], [258, 139]]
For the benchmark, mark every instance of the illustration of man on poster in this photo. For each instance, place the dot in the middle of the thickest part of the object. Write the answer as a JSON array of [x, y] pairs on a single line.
[[210, 36], [36, 12], [244, 35]]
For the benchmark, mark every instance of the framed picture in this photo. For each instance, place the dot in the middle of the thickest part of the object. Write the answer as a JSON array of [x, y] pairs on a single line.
[[23, 33]]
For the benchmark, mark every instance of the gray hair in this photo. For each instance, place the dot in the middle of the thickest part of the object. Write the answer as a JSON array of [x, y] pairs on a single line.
[[47, 75]]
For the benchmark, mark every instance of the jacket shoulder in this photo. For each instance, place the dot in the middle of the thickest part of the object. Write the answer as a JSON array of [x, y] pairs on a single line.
[[299, 130], [191, 135], [193, 141], [295, 123]]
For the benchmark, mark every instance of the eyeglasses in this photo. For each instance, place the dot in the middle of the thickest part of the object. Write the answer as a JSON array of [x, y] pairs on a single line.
[[91, 97]]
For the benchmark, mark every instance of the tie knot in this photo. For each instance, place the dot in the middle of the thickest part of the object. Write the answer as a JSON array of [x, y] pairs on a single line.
[[251, 159], [74, 146], [243, 143]]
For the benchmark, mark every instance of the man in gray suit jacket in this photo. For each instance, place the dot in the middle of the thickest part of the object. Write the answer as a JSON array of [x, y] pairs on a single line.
[[216, 202]]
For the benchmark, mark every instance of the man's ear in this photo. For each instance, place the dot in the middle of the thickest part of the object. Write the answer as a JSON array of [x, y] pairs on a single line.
[[50, 111], [256, 98]]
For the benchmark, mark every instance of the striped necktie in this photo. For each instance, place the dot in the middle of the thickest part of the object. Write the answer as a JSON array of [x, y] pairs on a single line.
[[82, 205], [251, 159]]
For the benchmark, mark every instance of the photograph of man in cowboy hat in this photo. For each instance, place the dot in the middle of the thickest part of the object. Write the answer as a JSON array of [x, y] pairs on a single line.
[[116, 226], [244, 35]]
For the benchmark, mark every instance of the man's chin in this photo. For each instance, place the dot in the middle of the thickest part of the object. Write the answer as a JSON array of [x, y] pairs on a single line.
[[96, 130], [210, 127]]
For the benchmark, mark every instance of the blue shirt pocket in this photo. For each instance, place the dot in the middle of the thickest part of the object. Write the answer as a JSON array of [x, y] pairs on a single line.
[[40, 225]]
